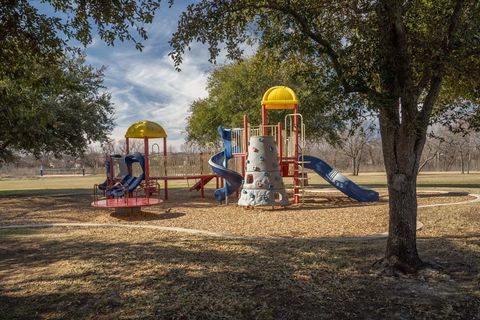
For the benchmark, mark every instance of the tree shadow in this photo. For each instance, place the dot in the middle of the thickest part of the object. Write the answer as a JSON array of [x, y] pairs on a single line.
[[324, 201], [442, 194], [146, 216], [175, 276]]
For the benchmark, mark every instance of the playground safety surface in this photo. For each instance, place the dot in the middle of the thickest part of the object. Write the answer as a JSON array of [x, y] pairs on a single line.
[[325, 214], [297, 271]]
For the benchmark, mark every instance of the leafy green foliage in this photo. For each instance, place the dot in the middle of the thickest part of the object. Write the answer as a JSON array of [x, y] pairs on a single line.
[[344, 36], [25, 29], [61, 110], [237, 89], [51, 102]]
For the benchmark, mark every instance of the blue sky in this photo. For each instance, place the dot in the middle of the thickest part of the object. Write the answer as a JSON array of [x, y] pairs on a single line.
[[145, 86]]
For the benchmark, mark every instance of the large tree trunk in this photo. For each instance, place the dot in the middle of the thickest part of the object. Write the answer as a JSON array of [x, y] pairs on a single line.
[[401, 249], [403, 130], [402, 149]]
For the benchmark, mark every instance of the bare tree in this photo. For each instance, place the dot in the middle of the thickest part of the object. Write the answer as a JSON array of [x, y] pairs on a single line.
[[355, 143], [135, 145]]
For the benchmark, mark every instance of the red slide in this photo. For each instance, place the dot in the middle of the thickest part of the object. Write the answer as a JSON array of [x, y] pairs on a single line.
[[203, 181]]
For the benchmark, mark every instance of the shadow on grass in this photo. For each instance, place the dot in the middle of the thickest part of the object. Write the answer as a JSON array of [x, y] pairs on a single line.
[[168, 276], [146, 216], [44, 192], [441, 194]]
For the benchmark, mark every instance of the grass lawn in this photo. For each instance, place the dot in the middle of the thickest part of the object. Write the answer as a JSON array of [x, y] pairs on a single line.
[[447, 180], [58, 184], [284, 264]]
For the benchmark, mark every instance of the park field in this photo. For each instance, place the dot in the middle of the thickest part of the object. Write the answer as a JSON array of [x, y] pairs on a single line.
[[373, 179], [192, 258]]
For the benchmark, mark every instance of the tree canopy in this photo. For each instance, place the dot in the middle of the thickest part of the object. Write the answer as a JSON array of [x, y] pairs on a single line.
[[50, 100], [28, 30], [237, 89], [59, 109], [343, 37]]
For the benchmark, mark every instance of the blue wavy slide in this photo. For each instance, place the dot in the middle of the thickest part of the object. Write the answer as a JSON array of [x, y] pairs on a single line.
[[233, 180], [339, 181], [219, 165]]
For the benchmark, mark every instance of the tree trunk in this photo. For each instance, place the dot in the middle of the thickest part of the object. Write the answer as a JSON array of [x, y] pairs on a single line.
[[402, 150], [402, 242], [357, 169], [462, 163], [468, 162]]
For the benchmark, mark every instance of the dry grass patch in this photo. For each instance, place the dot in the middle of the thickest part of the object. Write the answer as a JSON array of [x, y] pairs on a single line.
[[140, 274]]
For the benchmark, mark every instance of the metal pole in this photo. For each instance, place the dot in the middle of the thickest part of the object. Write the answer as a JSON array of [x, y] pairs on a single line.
[[245, 143], [225, 164], [110, 173], [264, 120], [145, 141], [279, 143], [295, 163], [165, 182]]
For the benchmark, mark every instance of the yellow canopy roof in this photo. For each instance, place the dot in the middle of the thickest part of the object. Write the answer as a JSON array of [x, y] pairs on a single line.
[[279, 97], [145, 129]]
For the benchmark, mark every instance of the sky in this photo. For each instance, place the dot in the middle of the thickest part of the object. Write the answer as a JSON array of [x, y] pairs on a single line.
[[145, 85]]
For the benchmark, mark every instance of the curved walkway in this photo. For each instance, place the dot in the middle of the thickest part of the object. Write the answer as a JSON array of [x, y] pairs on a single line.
[[225, 235]]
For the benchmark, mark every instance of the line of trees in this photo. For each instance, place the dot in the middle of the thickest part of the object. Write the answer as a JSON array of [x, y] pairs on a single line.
[[361, 151]]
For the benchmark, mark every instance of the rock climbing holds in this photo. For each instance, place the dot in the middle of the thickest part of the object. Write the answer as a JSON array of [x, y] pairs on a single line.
[[262, 176]]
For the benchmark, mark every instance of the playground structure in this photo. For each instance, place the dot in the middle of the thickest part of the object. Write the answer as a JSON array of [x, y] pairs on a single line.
[[263, 185], [290, 140], [127, 188], [276, 152], [124, 189]]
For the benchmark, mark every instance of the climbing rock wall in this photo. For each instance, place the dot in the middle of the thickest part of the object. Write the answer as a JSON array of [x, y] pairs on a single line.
[[263, 184]]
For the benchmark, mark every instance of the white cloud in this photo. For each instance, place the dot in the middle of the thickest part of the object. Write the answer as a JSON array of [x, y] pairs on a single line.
[[149, 88], [145, 85]]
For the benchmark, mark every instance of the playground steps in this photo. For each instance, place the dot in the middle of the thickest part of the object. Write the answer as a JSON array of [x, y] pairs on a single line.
[[203, 181]]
